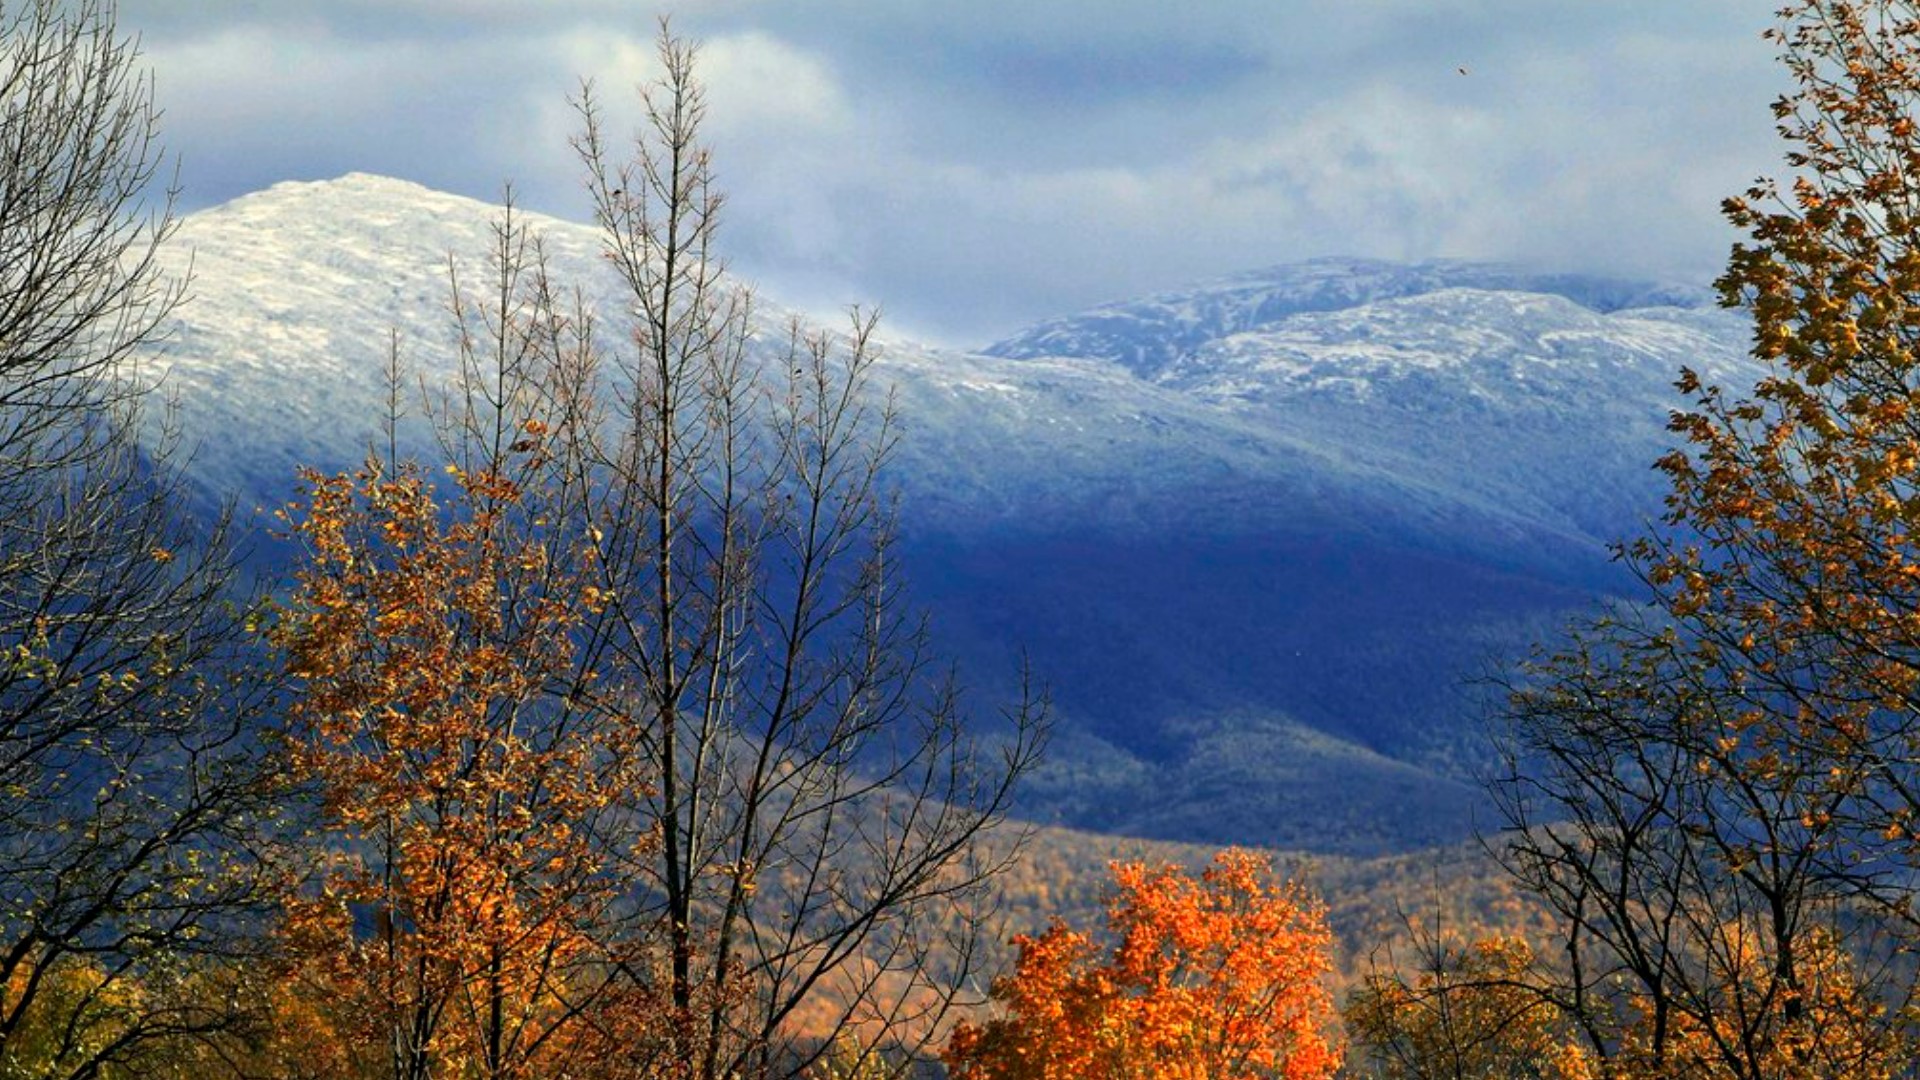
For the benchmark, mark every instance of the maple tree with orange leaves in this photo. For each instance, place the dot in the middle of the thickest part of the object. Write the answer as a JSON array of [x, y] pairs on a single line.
[[1221, 976]]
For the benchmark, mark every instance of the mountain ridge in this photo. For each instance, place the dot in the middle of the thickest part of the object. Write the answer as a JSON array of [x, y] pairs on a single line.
[[1145, 333]]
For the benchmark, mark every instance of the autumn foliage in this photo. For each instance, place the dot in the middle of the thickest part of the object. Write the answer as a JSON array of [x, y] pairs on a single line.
[[1462, 1010], [1828, 1024], [606, 749], [463, 922], [1221, 976], [1717, 792], [1804, 495]]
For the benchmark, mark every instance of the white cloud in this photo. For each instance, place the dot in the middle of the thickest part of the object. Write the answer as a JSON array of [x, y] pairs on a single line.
[[763, 86], [973, 166]]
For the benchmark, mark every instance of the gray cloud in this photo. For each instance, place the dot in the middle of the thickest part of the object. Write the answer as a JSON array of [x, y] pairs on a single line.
[[974, 166]]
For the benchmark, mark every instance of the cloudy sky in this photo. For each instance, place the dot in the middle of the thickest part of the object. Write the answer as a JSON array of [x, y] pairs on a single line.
[[972, 165]]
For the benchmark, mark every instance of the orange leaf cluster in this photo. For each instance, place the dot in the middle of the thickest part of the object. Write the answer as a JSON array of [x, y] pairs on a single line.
[[1219, 977], [1829, 1026]]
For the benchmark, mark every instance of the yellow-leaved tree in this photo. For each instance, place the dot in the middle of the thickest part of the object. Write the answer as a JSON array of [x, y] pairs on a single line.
[[1716, 793], [433, 646]]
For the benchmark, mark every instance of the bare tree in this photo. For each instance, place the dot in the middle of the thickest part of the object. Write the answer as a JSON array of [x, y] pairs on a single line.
[[80, 292], [819, 810], [1692, 872], [125, 718], [792, 825]]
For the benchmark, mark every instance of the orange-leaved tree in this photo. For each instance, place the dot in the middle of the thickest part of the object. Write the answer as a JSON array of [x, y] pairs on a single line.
[[467, 925], [1221, 976]]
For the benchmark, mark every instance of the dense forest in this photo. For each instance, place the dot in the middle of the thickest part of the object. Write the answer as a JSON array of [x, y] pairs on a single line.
[[605, 744]]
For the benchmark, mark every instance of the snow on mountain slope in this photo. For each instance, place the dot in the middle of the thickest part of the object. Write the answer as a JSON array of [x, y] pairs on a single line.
[[1544, 395], [1148, 334], [279, 358], [299, 289], [1277, 516], [1462, 409], [1552, 409]]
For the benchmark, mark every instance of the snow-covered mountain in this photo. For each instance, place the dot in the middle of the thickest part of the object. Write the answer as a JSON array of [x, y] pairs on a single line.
[[1149, 334], [1543, 395], [1252, 533]]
